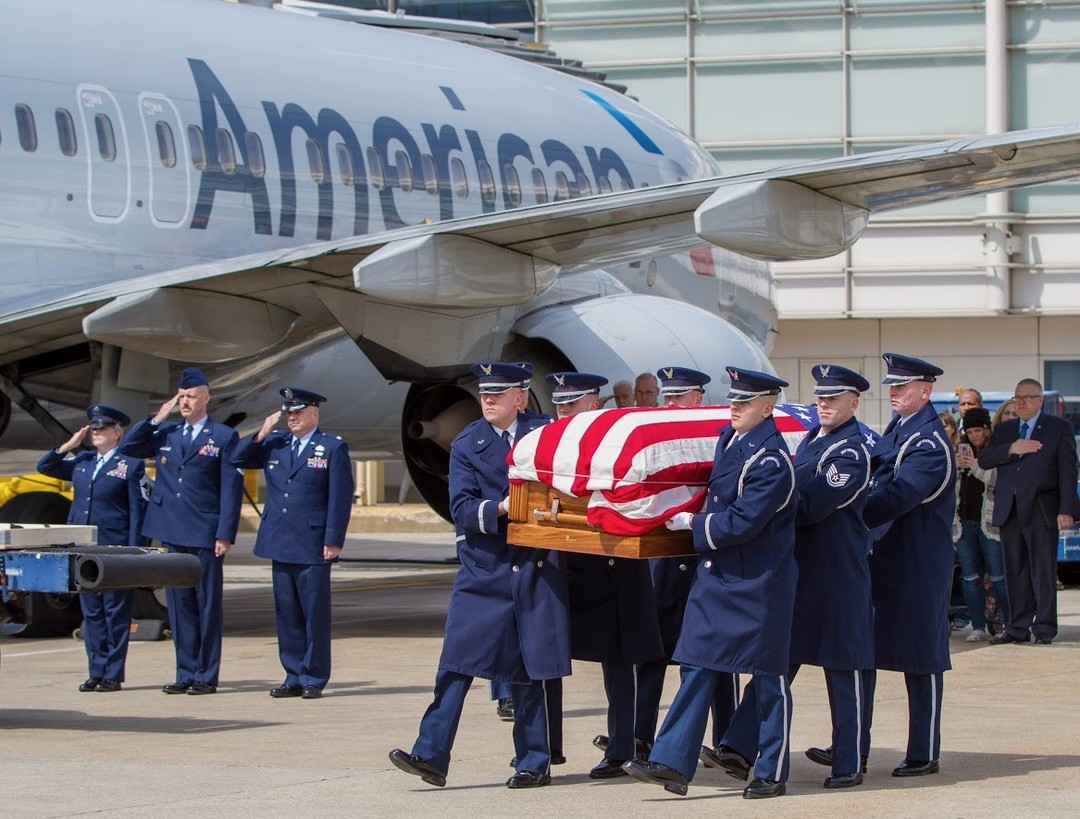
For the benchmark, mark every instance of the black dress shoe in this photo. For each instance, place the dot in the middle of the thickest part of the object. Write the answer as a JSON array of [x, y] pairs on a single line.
[[1006, 637], [202, 688], [642, 749], [764, 789], [1043, 641], [109, 685], [823, 756], [528, 779], [600, 741], [916, 767], [505, 709], [311, 692], [176, 688], [657, 774], [608, 769], [418, 766], [91, 684], [727, 759], [844, 780], [557, 758], [282, 691]]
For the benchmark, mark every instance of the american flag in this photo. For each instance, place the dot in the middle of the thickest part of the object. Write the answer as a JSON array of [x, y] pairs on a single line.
[[637, 466]]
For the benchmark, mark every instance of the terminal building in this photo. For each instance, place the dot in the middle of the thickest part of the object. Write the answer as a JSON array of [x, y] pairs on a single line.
[[987, 287]]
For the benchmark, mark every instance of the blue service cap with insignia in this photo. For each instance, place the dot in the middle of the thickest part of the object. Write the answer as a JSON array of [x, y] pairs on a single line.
[[903, 369], [296, 399], [681, 380], [103, 416], [567, 387], [832, 379], [192, 377], [500, 376], [749, 384]]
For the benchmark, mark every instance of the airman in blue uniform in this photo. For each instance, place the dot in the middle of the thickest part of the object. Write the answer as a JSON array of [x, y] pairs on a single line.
[[910, 511], [194, 509], [612, 611], [738, 615], [672, 578], [309, 496], [109, 492], [508, 610]]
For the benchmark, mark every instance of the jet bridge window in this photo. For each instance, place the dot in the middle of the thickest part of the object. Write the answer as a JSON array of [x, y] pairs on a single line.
[[404, 171], [316, 161], [431, 174], [256, 162], [511, 185], [198, 147], [65, 132], [226, 150], [106, 137], [375, 169], [540, 188], [166, 145], [24, 119], [458, 179], [487, 182]]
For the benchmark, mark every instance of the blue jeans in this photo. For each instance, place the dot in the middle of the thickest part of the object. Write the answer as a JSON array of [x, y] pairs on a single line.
[[978, 554]]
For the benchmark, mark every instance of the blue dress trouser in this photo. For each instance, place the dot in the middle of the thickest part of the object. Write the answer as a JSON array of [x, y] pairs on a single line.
[[924, 714], [195, 617], [106, 630], [761, 727], [650, 689], [553, 692], [302, 615]]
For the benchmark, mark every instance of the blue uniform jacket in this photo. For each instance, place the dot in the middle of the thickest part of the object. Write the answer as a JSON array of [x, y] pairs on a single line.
[[833, 626], [114, 501], [307, 503], [508, 609], [196, 500], [738, 615], [910, 510]]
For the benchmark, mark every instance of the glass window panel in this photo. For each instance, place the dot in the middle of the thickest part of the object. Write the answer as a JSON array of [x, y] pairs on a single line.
[[65, 132], [511, 186], [404, 171], [458, 180], [618, 43], [619, 9], [487, 181], [1056, 197], [660, 88], [540, 190], [747, 160], [769, 100], [197, 146], [315, 160], [105, 137], [375, 169], [766, 36], [430, 172], [24, 119], [879, 3], [345, 164], [166, 144], [256, 162], [918, 30], [743, 6], [1044, 84], [1044, 24], [918, 95], [1063, 376], [226, 150]]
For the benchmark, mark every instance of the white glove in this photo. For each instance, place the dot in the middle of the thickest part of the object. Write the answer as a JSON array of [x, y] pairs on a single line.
[[504, 506], [681, 520]]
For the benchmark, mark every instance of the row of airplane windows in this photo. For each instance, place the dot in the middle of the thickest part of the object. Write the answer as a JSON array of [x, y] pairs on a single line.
[[401, 175]]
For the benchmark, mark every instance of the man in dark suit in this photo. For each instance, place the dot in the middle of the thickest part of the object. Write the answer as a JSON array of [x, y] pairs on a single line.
[[508, 609], [738, 614], [194, 509], [110, 493], [1035, 496], [309, 495]]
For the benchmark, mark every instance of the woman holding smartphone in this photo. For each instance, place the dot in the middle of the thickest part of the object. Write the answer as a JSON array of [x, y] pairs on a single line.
[[977, 539]]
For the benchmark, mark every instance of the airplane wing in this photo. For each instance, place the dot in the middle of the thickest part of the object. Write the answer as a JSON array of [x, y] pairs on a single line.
[[237, 307]]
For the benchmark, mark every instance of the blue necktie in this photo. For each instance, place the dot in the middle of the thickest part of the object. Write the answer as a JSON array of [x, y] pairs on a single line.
[[295, 450], [1024, 429], [506, 437], [186, 443], [97, 467]]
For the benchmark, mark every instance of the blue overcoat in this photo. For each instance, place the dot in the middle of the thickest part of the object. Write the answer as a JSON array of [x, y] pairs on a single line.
[[833, 626], [508, 610], [114, 501], [196, 499], [307, 503], [738, 615], [910, 511], [672, 578]]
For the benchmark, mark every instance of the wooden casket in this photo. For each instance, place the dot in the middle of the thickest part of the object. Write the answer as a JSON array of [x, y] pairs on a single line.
[[545, 518]]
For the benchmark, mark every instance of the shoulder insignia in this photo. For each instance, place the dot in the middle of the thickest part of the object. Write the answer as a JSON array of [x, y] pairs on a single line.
[[771, 459], [926, 442], [854, 453]]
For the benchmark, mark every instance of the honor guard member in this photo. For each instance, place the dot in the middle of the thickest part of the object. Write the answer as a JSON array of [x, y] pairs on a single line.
[[508, 617], [672, 578], [110, 493], [309, 496], [910, 512], [194, 509], [738, 614], [612, 611]]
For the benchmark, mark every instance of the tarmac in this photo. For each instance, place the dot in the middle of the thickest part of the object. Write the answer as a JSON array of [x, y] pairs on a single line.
[[1011, 722]]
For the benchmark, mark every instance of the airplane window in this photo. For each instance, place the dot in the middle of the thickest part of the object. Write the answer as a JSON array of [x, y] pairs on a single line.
[[375, 168], [512, 185], [256, 162], [226, 150], [24, 118], [166, 145], [487, 182], [106, 138], [315, 160], [345, 166], [540, 190], [198, 147], [603, 184], [431, 174], [584, 188], [458, 180], [404, 171], [562, 186], [65, 131]]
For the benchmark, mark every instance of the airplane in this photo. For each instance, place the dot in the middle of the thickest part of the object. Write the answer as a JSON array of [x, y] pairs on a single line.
[[363, 203]]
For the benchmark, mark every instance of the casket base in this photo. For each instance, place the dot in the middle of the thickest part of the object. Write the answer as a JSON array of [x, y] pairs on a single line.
[[544, 518]]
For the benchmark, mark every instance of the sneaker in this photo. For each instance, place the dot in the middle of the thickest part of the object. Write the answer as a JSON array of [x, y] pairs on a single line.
[[960, 625], [976, 636]]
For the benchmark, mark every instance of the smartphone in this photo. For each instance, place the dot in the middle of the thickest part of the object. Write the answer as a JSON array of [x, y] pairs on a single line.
[[965, 450]]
